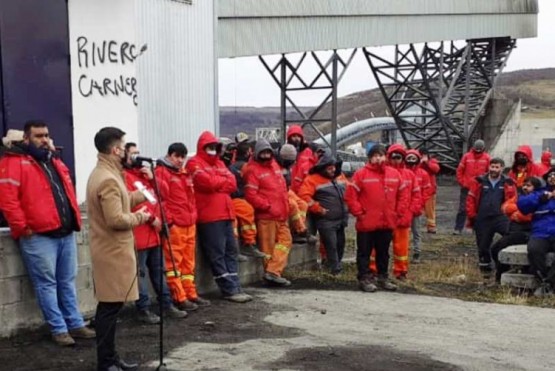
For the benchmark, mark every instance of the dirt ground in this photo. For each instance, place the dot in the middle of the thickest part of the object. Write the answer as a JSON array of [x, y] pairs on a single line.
[[224, 324]]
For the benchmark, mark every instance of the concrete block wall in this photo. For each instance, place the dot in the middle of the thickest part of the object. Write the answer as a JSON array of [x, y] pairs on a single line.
[[19, 309]]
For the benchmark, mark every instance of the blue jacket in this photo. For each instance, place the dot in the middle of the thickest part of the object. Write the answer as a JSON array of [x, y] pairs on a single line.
[[543, 220]]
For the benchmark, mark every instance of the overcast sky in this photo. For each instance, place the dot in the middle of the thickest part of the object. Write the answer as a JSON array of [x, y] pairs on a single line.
[[245, 82]]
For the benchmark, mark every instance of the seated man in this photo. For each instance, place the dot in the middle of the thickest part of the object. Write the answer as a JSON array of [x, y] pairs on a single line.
[[541, 204], [519, 226]]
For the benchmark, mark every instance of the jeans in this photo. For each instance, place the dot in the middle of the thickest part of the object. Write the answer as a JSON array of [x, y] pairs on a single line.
[[416, 235], [461, 214], [52, 267], [149, 259], [333, 238], [366, 241], [218, 242], [105, 322]]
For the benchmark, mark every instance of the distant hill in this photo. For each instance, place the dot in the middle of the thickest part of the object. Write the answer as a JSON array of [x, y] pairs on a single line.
[[535, 87]]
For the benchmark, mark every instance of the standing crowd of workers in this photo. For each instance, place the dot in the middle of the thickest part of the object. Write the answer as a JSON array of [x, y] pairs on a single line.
[[247, 199]]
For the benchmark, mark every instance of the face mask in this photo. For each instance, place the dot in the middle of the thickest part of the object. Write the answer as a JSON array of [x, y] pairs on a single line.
[[287, 163], [521, 161], [211, 152], [264, 159]]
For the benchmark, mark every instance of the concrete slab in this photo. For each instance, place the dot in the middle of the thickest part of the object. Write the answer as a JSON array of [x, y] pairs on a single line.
[[467, 335], [519, 280], [514, 255]]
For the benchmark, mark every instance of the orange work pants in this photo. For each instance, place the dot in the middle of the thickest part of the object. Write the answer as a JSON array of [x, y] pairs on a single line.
[[297, 212], [401, 243], [244, 221], [181, 282], [274, 240], [430, 212]]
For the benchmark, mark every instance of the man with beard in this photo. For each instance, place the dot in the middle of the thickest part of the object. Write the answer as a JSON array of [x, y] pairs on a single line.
[[147, 243], [377, 197], [266, 191], [324, 189], [39, 203], [483, 208]]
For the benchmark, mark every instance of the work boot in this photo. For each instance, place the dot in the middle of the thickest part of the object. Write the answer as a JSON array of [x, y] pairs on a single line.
[[242, 258], [385, 284], [147, 317], [239, 298], [544, 290], [367, 284], [312, 239], [82, 333], [402, 277], [457, 232], [299, 238], [416, 258], [432, 230], [187, 305], [173, 312], [276, 280], [63, 339], [127, 366], [252, 250], [201, 302]]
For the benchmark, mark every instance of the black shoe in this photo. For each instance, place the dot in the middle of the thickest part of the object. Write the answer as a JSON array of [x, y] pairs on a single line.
[[201, 302], [386, 284], [127, 366], [252, 250], [367, 285], [147, 317], [299, 238], [416, 258], [242, 258], [173, 312], [187, 305]]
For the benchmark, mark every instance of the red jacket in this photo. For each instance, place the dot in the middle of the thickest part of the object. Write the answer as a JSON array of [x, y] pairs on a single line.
[[178, 196], [412, 184], [472, 164], [266, 191], [27, 201], [545, 165], [146, 236], [432, 168], [213, 182], [519, 173], [475, 193], [377, 197], [305, 160], [422, 178]]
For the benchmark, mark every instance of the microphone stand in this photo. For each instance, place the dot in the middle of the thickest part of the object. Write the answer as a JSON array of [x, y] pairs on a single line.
[[164, 236]]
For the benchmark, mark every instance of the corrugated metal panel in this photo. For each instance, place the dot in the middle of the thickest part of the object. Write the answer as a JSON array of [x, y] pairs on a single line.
[[287, 8], [324, 25], [176, 75]]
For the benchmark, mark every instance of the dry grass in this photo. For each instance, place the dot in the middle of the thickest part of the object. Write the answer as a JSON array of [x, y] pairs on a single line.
[[448, 269]]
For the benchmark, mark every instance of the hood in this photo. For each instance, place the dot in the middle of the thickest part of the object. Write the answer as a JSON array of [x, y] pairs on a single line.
[[414, 152], [163, 161], [324, 161], [526, 150], [15, 149], [396, 148], [207, 138], [295, 129], [546, 158], [261, 145]]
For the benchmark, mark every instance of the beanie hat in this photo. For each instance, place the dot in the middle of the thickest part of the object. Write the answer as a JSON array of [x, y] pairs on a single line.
[[288, 152], [376, 149], [479, 144]]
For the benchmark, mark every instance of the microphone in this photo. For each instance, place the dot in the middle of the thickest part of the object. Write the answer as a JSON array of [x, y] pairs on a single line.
[[141, 187], [137, 158]]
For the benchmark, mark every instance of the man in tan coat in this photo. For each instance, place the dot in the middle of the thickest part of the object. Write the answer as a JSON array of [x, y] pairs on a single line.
[[111, 242]]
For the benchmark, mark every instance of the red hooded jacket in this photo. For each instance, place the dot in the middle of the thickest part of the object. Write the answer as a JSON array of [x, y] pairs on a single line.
[[545, 165], [213, 182], [377, 197], [178, 195], [411, 183], [27, 201], [472, 164], [146, 236], [432, 168], [422, 178], [305, 160], [265, 187], [519, 173]]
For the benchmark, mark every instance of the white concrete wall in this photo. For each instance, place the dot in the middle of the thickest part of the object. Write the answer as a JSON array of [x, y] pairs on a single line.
[[103, 79], [177, 74], [509, 140]]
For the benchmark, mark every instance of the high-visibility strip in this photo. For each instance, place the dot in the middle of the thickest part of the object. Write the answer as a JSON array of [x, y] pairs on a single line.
[[401, 258], [10, 181], [262, 176], [370, 180], [298, 179], [354, 186], [392, 180], [26, 162], [325, 185], [197, 171], [173, 274], [248, 227], [296, 217], [251, 186], [539, 212], [281, 247], [416, 189], [372, 258], [302, 214], [187, 277], [311, 202], [225, 275]]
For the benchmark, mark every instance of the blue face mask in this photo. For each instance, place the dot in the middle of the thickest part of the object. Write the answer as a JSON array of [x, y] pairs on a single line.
[[39, 154]]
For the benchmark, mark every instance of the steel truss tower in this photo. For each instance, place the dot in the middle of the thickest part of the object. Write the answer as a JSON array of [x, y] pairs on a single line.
[[437, 95], [286, 73]]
